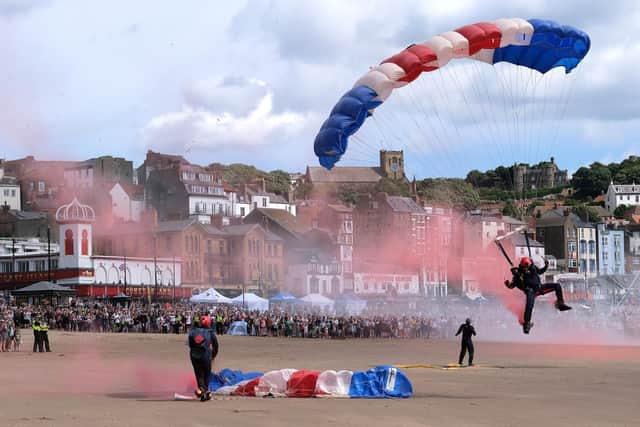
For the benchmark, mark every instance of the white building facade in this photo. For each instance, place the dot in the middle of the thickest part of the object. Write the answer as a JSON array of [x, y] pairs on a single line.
[[622, 194], [9, 192]]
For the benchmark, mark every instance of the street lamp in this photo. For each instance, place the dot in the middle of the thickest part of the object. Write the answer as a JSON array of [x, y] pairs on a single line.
[[13, 262]]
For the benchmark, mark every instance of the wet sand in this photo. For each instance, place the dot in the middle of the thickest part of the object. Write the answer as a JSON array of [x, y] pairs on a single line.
[[129, 380]]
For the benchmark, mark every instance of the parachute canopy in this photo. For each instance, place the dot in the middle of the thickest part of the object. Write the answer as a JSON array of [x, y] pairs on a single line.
[[539, 45], [379, 382]]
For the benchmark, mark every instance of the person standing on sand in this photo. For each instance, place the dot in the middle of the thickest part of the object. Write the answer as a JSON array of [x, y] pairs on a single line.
[[203, 348], [467, 331]]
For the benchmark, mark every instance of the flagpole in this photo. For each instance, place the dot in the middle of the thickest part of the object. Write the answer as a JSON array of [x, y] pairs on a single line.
[[125, 275]]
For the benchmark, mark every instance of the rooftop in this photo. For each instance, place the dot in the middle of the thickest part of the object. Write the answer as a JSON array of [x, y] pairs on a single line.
[[404, 204], [353, 174]]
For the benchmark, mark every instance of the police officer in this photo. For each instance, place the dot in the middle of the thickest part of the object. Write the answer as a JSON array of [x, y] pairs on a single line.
[[203, 348], [37, 342], [467, 331], [44, 336]]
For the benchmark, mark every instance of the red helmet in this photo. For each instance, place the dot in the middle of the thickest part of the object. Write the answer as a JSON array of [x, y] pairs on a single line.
[[205, 322], [525, 261]]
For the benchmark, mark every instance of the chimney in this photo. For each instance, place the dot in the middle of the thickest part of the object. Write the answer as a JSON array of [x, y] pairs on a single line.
[[216, 221]]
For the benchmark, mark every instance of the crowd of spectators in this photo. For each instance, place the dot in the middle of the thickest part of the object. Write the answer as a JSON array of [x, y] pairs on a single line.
[[441, 321]]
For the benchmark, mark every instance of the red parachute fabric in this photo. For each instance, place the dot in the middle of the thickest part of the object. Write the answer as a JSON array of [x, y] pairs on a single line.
[[249, 389], [412, 60], [482, 35], [302, 384]]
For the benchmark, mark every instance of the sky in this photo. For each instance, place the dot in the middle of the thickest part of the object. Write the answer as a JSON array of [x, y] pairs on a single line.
[[252, 82]]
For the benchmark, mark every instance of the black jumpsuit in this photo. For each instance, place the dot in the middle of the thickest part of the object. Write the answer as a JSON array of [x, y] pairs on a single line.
[[467, 331], [203, 347], [528, 281]]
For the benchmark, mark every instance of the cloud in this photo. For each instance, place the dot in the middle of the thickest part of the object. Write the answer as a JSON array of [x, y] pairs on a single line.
[[218, 112], [9, 8]]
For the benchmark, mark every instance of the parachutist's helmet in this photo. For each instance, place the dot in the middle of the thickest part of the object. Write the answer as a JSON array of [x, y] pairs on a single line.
[[468, 321], [525, 262], [205, 322]]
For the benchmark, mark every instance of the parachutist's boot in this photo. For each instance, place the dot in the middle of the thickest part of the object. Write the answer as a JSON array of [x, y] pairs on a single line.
[[560, 305], [526, 327]]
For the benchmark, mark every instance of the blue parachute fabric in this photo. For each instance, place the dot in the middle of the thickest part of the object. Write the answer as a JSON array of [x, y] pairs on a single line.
[[552, 45], [227, 377], [345, 119], [380, 382]]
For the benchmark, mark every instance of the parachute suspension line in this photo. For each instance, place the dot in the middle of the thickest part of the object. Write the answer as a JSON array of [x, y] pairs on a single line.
[[472, 115], [362, 152], [368, 148], [439, 128], [567, 97], [507, 128], [409, 139], [479, 84], [416, 145], [383, 144], [527, 120], [447, 99], [440, 139]]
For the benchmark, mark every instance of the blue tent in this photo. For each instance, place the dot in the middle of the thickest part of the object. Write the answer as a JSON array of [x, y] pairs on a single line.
[[238, 328], [284, 297]]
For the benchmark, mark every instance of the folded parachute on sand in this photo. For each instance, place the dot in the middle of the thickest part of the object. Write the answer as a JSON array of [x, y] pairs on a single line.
[[379, 382]]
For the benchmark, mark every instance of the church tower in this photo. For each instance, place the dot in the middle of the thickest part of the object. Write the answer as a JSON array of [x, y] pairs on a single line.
[[75, 221], [392, 164]]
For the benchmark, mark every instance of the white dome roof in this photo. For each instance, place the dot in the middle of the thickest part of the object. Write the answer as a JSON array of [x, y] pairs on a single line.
[[75, 212]]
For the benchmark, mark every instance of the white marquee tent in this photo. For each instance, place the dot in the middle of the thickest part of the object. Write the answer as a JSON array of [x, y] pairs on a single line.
[[252, 301], [210, 296], [318, 301]]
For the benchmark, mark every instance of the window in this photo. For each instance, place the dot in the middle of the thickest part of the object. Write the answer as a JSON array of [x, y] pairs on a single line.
[[583, 265], [592, 265], [40, 265], [41, 186], [85, 243], [23, 266], [583, 247], [592, 247], [68, 242], [242, 213], [314, 285], [605, 241], [5, 267], [222, 248], [6, 192], [264, 202]]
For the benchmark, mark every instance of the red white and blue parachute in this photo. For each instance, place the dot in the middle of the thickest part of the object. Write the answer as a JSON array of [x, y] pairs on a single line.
[[536, 44], [379, 382]]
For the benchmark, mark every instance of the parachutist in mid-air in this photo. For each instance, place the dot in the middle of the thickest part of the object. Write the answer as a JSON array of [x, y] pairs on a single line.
[[467, 331], [526, 277]]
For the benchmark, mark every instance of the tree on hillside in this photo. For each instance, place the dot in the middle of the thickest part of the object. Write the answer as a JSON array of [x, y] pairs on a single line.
[[303, 191], [592, 181], [279, 182], [622, 210], [586, 213], [238, 173], [392, 187], [627, 172], [510, 209], [450, 191], [348, 194]]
